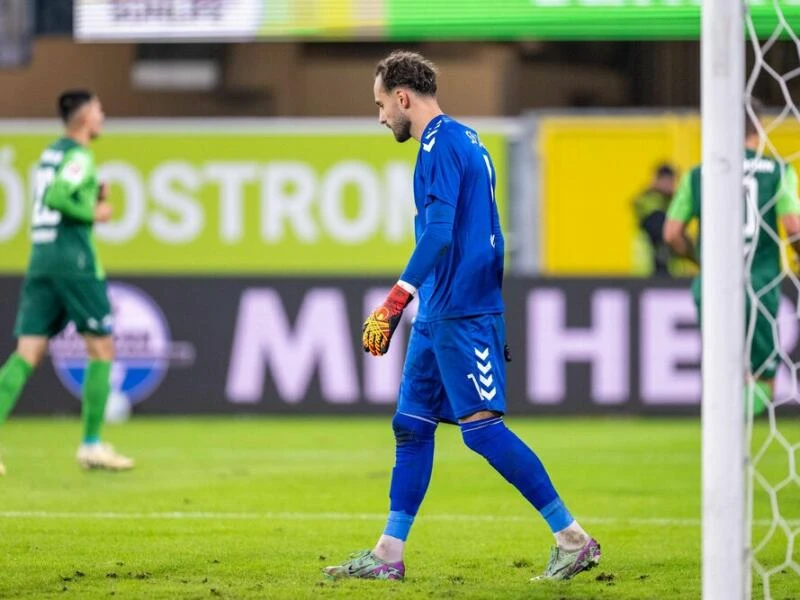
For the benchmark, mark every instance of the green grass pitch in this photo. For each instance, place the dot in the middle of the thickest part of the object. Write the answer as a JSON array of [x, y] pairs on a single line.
[[254, 508]]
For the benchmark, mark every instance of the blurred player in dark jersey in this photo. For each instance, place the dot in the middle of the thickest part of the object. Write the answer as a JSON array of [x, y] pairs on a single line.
[[770, 190]]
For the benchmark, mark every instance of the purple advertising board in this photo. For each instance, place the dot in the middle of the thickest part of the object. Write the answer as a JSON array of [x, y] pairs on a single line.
[[231, 345]]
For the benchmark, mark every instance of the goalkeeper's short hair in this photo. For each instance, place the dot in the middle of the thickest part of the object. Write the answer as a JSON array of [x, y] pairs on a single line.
[[409, 69]]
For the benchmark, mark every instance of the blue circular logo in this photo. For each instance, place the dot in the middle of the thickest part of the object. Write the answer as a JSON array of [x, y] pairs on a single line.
[[142, 341]]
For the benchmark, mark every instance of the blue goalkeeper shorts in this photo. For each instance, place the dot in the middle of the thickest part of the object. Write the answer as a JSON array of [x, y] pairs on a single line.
[[454, 368]]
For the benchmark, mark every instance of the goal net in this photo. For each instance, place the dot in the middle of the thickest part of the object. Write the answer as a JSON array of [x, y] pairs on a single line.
[[772, 439]]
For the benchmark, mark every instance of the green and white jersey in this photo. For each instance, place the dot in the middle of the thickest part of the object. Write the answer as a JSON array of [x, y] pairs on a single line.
[[63, 213], [770, 189]]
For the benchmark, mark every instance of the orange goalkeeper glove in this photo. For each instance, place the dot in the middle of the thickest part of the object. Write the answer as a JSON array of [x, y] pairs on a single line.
[[381, 323]]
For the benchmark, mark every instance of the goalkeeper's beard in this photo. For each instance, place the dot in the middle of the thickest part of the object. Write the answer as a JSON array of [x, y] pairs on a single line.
[[401, 129]]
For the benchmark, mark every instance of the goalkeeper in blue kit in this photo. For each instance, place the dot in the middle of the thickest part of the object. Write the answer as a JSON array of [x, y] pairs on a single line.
[[454, 370]]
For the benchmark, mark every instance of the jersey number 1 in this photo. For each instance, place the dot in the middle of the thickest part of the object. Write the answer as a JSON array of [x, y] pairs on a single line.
[[488, 162]]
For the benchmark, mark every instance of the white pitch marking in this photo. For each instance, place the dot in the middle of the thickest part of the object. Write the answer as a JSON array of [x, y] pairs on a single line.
[[338, 516]]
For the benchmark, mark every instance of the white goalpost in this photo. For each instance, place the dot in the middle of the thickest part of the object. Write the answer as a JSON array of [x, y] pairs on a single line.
[[750, 480], [723, 455]]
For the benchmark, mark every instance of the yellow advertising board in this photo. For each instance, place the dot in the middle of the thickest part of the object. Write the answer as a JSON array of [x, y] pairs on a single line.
[[593, 167], [314, 197]]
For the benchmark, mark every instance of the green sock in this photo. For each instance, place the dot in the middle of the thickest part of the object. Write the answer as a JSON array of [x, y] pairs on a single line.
[[761, 393], [96, 388], [13, 377]]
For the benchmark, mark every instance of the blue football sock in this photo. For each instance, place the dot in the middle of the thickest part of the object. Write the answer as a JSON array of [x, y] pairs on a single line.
[[398, 524], [519, 465], [412, 471]]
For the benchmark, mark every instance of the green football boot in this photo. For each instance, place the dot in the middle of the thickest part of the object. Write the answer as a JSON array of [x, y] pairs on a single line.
[[565, 565], [365, 565]]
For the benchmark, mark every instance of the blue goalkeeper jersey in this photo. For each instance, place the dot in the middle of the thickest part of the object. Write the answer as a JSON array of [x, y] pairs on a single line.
[[454, 167]]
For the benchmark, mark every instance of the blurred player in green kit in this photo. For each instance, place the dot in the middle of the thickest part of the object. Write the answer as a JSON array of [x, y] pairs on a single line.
[[770, 189], [65, 281]]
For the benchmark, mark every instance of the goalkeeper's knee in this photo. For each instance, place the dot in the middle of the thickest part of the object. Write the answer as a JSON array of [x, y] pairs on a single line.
[[410, 431], [481, 436]]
